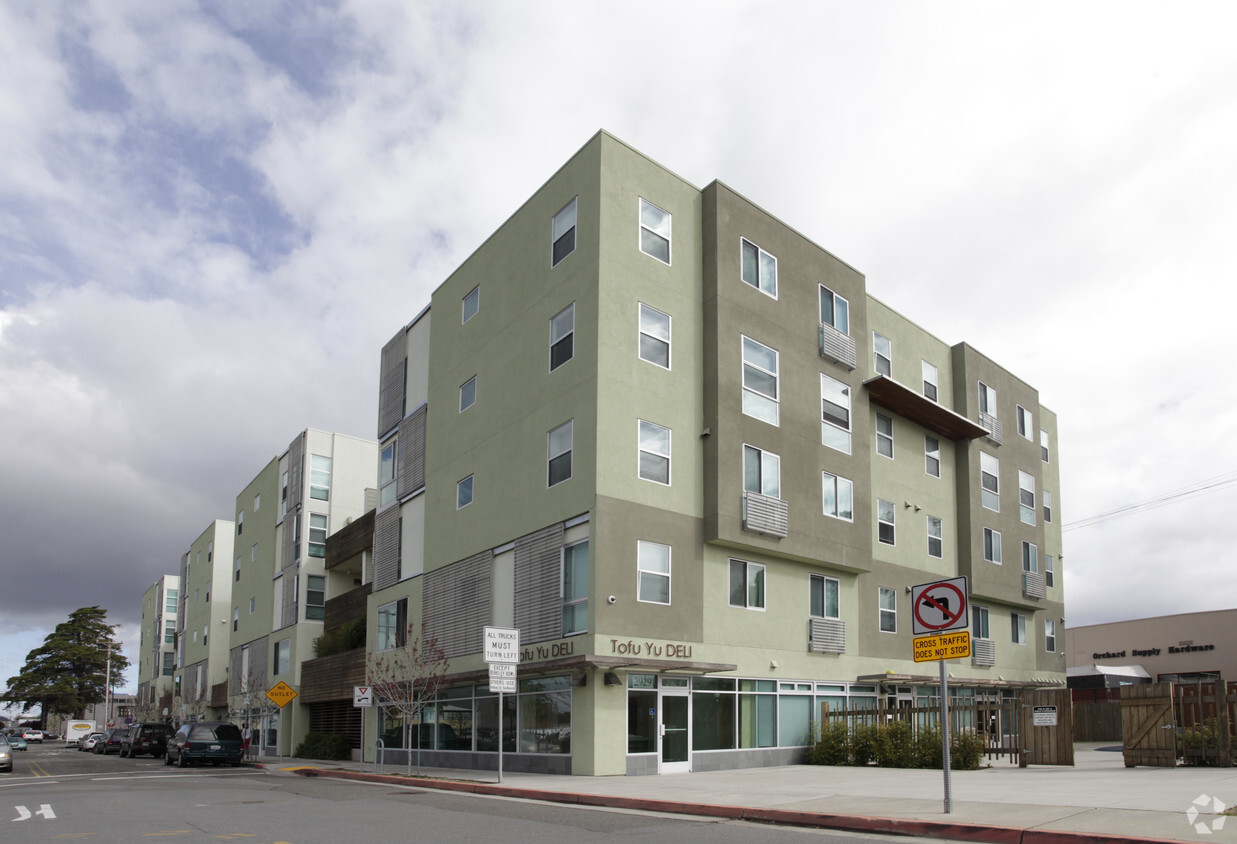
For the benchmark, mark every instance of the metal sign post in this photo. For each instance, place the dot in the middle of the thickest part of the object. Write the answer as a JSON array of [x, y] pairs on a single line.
[[502, 654], [936, 609]]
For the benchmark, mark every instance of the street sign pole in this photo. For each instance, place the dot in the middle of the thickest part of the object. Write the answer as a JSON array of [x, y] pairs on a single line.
[[502, 648], [938, 608], [945, 760]]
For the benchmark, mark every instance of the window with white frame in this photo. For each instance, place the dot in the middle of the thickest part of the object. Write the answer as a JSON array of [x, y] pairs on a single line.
[[987, 400], [884, 435], [468, 393], [283, 656], [1025, 425], [747, 585], [979, 623], [762, 472], [1043, 446], [257, 502], [834, 310], [1026, 498], [835, 414], [654, 336], [470, 305], [562, 336], [563, 233], [888, 605], [558, 453], [823, 596], [936, 537], [1050, 634], [1047, 506], [1018, 628], [930, 381], [283, 494], [386, 474], [932, 456], [392, 627], [882, 355], [654, 452], [240, 528], [463, 493], [315, 597], [236, 618], [885, 516], [236, 569], [320, 477], [760, 381], [654, 231], [839, 496], [1030, 557], [653, 572], [990, 481], [253, 552], [759, 268], [575, 588], [317, 535], [253, 606], [1049, 570], [992, 545]]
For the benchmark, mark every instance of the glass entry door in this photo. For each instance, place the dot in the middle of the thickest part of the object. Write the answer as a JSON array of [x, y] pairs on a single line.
[[674, 738]]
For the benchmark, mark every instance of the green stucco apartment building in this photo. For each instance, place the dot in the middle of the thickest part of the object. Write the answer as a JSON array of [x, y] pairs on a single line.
[[680, 448]]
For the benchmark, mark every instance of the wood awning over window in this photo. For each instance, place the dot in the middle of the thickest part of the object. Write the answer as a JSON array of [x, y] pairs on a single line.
[[921, 410]]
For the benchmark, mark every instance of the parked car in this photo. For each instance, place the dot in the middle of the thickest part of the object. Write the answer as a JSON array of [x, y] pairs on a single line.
[[150, 739], [33, 735], [110, 743], [6, 755], [90, 741], [206, 741], [16, 741]]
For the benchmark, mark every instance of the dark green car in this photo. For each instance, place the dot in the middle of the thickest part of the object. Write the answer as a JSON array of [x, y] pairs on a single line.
[[216, 742]]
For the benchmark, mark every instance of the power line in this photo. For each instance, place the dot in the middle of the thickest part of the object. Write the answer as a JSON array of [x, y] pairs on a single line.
[[1184, 493]]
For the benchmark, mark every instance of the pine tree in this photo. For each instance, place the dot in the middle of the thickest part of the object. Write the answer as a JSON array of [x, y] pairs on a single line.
[[67, 673]]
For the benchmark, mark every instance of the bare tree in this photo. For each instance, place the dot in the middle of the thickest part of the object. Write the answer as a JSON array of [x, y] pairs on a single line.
[[407, 679]]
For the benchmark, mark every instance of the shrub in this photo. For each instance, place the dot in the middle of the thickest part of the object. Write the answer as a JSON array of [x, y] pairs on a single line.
[[346, 637], [928, 750], [830, 745], [966, 751], [895, 745], [324, 746], [863, 742], [1202, 737]]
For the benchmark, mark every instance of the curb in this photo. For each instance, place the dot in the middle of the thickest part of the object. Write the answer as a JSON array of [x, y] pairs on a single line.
[[817, 820]]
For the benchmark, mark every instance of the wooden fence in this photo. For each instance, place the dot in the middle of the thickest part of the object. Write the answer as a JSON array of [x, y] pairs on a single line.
[[997, 722]]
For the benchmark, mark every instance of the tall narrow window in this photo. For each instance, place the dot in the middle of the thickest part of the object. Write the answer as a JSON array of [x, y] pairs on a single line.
[[653, 571], [468, 393], [654, 336], [823, 596], [884, 435], [1025, 424], [315, 597], [835, 414], [1050, 568], [575, 588], [882, 353], [392, 625], [1050, 635], [760, 381], [386, 475], [932, 456], [654, 453], [283, 656], [240, 526], [759, 268], [929, 381], [936, 537], [1026, 498], [471, 304], [319, 477], [558, 453], [563, 233], [987, 400], [762, 472], [838, 494], [834, 310], [747, 585], [236, 618], [888, 610], [654, 231], [885, 517], [562, 336], [463, 493], [1047, 506], [992, 545], [1030, 557], [1018, 628], [989, 481], [283, 494], [317, 534], [979, 623], [236, 571], [1043, 446]]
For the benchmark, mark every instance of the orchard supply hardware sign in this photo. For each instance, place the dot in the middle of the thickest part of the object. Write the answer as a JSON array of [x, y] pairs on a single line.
[[1179, 648]]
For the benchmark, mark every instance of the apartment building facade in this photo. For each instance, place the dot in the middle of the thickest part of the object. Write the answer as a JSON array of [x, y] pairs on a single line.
[[200, 691], [156, 663], [681, 449]]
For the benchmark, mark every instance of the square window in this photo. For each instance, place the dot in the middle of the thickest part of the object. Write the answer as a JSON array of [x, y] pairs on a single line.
[[562, 336], [762, 472], [1018, 628], [760, 381], [463, 493], [884, 435], [320, 477], [1026, 498], [989, 481], [747, 585], [888, 610], [759, 268], [885, 517], [575, 588], [838, 494], [979, 623], [882, 354], [471, 304], [992, 546], [563, 233], [654, 453], [654, 336], [932, 456], [835, 414], [653, 571], [929, 381], [823, 596], [468, 393], [654, 231], [558, 453], [834, 310], [936, 537], [317, 534]]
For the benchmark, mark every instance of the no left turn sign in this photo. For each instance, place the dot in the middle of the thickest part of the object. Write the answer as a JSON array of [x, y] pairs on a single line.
[[940, 606]]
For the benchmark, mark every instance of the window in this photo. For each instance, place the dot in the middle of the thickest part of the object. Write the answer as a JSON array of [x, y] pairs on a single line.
[[283, 656], [317, 534], [654, 456], [319, 477], [463, 493], [932, 456], [762, 472], [936, 537], [392, 625], [823, 596], [759, 268], [654, 336], [386, 474], [575, 589], [888, 610], [1047, 506], [236, 618], [654, 231], [992, 546], [169, 663], [1050, 634], [315, 597], [253, 552], [1043, 446], [562, 336], [558, 454], [834, 310], [882, 355], [979, 623], [1024, 422], [929, 381], [240, 527], [471, 304], [747, 585], [468, 393], [1018, 628], [563, 233], [760, 368], [236, 571], [884, 435], [257, 503], [838, 494], [653, 562], [835, 414], [1049, 570], [885, 516], [283, 494], [1026, 498], [206, 591], [989, 481], [987, 400], [169, 633], [1030, 557], [253, 605]]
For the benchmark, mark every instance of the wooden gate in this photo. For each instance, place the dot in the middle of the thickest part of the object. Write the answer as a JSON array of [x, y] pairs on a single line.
[[1148, 726], [1047, 727]]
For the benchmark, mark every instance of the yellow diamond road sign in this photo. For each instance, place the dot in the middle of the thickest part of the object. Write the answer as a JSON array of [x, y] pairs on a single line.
[[281, 694]]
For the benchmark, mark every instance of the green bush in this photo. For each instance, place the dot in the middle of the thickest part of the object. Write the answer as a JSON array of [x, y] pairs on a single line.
[[346, 637], [830, 745], [928, 751], [966, 751], [1202, 737], [895, 746], [330, 746], [863, 744]]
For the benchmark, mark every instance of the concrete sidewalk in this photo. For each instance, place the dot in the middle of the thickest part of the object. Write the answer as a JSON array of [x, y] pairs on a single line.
[[1099, 799]]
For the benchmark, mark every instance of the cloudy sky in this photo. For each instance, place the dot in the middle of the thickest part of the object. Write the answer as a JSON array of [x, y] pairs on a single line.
[[213, 214]]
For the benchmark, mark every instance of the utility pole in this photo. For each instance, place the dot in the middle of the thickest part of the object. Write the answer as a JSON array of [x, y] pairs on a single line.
[[107, 688]]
